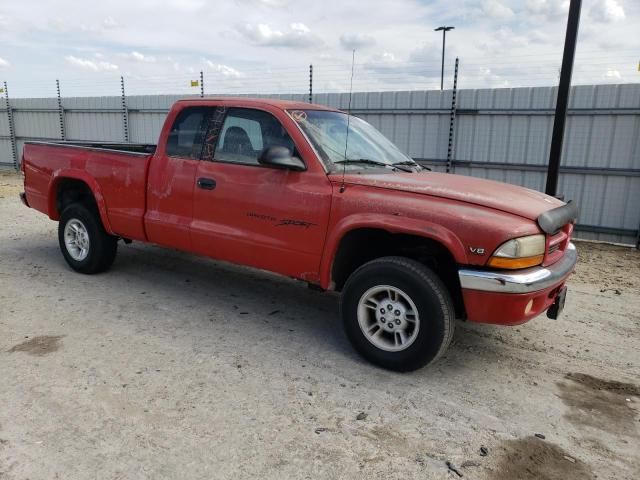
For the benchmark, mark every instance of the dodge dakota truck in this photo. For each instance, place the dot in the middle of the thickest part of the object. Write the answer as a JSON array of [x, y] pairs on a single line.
[[319, 195]]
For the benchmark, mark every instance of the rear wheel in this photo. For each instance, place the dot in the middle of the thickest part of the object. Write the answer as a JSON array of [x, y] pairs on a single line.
[[84, 243], [397, 313]]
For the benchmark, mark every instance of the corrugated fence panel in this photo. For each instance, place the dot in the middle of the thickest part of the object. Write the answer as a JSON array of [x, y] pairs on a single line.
[[31, 124], [5, 153], [500, 134], [94, 118], [5, 142], [146, 117], [4, 123]]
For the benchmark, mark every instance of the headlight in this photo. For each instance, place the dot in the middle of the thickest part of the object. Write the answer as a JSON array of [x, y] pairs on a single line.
[[520, 252]]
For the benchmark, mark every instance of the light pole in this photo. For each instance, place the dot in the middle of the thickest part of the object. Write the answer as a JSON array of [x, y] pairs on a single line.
[[444, 29], [555, 153]]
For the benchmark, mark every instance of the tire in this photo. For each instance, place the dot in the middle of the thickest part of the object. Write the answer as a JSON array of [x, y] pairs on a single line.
[[399, 286], [84, 229]]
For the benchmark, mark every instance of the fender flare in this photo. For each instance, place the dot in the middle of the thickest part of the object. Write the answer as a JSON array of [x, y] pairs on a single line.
[[73, 174], [392, 224]]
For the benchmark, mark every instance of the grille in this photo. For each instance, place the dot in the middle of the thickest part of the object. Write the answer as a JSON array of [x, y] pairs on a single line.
[[553, 248], [557, 244]]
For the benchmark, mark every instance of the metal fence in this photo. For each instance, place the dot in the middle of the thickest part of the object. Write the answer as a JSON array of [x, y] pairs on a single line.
[[501, 134]]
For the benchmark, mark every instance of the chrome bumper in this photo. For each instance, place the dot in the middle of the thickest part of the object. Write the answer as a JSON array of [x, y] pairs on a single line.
[[523, 281]]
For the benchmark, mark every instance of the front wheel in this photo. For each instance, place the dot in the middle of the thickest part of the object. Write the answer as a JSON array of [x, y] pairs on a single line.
[[397, 313], [84, 243]]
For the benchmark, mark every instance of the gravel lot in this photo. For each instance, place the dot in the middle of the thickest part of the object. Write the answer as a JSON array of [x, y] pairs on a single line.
[[173, 366]]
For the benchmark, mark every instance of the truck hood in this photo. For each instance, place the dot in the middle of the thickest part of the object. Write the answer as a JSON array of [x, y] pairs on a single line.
[[487, 193]]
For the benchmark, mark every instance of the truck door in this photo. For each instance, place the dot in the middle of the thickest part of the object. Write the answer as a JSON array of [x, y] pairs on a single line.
[[255, 215], [171, 179]]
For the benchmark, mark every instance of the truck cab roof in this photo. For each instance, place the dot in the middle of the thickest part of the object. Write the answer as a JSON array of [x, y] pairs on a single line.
[[257, 102]]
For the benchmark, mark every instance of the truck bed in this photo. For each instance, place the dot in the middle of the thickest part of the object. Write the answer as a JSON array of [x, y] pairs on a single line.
[[117, 172]]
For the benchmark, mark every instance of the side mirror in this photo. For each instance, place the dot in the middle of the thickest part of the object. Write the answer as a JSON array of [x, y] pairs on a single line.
[[280, 157]]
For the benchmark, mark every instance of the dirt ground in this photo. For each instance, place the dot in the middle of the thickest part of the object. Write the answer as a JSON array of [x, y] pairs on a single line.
[[173, 366]]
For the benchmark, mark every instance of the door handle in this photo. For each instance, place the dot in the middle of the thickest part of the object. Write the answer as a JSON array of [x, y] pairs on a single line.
[[206, 183]]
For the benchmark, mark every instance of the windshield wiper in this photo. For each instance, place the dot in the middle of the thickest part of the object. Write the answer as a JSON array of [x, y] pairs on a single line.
[[410, 163], [366, 161], [397, 166], [407, 162]]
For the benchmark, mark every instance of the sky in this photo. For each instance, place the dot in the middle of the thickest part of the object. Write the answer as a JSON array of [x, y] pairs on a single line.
[[266, 46]]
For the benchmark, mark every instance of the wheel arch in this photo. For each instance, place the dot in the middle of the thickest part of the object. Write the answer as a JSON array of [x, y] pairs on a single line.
[[67, 186], [361, 242]]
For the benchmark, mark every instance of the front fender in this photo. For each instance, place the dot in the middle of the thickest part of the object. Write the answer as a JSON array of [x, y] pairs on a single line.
[[64, 174], [392, 224]]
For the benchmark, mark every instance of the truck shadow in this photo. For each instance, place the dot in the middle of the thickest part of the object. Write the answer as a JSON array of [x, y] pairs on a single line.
[[206, 293]]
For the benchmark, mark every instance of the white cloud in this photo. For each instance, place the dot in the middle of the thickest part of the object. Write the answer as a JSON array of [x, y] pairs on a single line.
[[300, 27], [517, 41], [427, 54], [65, 25], [4, 63], [383, 62], [224, 70], [356, 40], [613, 75], [188, 6], [99, 66], [109, 23], [549, 9], [273, 3], [139, 57], [297, 36], [607, 11], [385, 58], [538, 36], [496, 9]]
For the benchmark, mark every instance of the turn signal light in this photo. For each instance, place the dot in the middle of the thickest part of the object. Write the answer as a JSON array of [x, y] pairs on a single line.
[[515, 263]]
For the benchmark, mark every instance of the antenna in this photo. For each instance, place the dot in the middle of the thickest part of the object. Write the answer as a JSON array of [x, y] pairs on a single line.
[[346, 140]]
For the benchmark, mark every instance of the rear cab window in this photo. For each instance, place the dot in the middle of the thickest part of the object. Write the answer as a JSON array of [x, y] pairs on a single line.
[[187, 133]]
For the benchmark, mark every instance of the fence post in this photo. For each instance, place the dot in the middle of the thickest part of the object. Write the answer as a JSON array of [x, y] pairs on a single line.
[[12, 130], [125, 111], [452, 118], [63, 135], [201, 84], [310, 83]]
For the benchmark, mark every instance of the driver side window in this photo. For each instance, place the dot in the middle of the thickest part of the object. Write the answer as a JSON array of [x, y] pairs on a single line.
[[246, 133]]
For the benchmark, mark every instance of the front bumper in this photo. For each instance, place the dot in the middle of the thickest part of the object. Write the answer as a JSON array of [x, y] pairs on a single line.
[[511, 298], [522, 281]]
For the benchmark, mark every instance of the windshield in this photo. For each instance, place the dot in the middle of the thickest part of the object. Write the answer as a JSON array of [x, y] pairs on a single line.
[[367, 147]]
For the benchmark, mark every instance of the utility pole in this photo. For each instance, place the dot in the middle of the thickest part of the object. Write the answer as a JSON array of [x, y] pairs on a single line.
[[562, 99], [444, 29]]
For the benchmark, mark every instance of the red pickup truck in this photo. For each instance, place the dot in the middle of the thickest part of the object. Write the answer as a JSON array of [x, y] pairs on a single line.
[[315, 194]]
